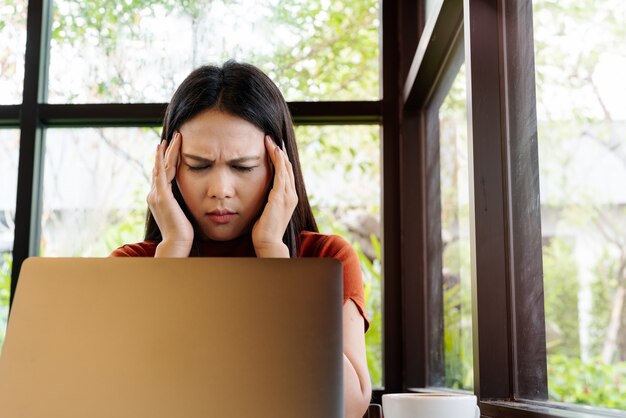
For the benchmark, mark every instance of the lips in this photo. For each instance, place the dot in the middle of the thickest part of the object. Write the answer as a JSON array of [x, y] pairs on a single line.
[[221, 216]]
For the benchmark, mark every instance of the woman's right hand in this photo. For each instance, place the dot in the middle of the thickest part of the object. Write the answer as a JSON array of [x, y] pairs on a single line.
[[176, 230]]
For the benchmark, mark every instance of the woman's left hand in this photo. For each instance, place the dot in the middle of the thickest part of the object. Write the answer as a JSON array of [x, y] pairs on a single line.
[[268, 230]]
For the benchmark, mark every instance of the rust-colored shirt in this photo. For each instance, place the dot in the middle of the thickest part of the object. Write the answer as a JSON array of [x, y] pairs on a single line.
[[312, 244]]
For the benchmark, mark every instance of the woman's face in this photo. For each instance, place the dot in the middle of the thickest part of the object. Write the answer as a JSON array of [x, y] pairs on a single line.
[[224, 174]]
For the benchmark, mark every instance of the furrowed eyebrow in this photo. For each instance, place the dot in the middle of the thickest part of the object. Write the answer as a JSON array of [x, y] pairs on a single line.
[[233, 161], [244, 159], [198, 159]]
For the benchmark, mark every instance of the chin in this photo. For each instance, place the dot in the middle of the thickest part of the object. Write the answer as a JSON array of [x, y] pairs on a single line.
[[224, 236]]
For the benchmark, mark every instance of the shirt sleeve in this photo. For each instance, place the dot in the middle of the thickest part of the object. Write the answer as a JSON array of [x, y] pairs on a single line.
[[140, 249]]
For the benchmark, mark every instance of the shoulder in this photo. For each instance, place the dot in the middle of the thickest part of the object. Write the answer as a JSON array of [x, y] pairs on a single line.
[[140, 249], [314, 244]]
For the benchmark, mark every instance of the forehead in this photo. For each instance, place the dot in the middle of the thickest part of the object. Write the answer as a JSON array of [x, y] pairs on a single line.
[[213, 128]]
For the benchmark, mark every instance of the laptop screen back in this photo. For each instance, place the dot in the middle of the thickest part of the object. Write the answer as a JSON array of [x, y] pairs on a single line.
[[196, 337]]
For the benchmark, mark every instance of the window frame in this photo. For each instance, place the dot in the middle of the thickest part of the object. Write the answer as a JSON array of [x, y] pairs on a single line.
[[507, 253], [510, 370]]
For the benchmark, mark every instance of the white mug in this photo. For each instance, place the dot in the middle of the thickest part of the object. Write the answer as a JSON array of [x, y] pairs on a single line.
[[430, 405]]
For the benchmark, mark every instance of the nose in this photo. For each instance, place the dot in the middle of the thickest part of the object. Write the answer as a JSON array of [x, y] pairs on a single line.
[[220, 185]]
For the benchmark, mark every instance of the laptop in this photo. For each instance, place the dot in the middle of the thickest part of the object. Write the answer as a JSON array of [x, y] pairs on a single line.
[[185, 338]]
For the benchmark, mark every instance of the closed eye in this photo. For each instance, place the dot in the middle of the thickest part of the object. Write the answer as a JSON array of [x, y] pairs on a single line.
[[244, 168], [198, 168]]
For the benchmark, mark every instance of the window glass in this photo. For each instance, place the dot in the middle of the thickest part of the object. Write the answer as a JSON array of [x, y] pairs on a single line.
[[95, 185], [580, 56], [9, 151], [456, 270], [342, 174], [12, 47], [137, 51]]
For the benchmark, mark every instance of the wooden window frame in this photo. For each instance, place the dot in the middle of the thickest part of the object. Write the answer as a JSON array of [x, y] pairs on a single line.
[[510, 372]]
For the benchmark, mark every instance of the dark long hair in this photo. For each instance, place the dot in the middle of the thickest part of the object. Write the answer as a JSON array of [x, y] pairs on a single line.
[[244, 91]]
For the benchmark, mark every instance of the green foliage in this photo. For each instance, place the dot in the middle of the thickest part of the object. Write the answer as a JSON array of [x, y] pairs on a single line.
[[5, 293], [13, 14], [312, 50], [457, 339], [5, 279], [372, 290], [588, 383], [125, 227], [561, 298], [336, 162], [334, 52], [457, 314], [96, 23], [603, 288], [13, 37]]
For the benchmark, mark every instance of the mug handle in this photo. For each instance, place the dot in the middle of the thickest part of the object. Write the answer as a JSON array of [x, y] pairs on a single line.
[[477, 414]]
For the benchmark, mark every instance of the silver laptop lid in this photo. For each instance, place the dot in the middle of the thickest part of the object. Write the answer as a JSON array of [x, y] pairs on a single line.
[[195, 337]]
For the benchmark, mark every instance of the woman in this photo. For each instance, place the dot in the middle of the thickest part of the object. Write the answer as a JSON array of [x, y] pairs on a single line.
[[227, 182]]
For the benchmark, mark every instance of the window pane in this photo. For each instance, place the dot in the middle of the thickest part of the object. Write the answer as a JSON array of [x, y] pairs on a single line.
[[581, 108], [137, 51], [342, 174], [9, 151], [12, 47], [95, 187], [457, 295]]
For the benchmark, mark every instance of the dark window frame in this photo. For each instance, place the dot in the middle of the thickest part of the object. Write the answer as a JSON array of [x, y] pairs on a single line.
[[507, 269]]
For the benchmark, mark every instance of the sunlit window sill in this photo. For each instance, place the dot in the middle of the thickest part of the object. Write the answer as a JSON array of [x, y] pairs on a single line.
[[524, 409]]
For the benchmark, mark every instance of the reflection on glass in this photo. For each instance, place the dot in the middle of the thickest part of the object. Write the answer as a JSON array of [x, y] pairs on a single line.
[[341, 170], [9, 151], [95, 185], [140, 51], [455, 237], [12, 47], [580, 57]]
